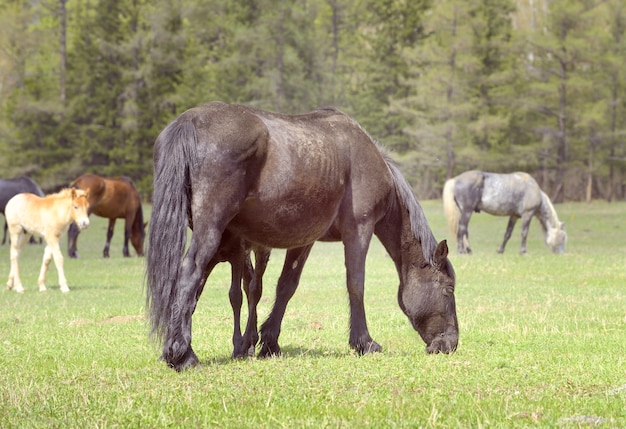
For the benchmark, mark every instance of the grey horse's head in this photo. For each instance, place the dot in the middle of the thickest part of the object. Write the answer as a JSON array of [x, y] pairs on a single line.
[[556, 238]]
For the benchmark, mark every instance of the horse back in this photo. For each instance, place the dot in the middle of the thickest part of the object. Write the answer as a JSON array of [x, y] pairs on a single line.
[[11, 187], [313, 175], [109, 197], [510, 194]]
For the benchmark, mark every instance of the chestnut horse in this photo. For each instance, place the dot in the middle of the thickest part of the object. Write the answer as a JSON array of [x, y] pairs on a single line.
[[286, 181], [48, 217], [112, 198]]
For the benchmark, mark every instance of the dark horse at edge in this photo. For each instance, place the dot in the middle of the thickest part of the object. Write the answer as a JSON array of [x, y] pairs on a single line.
[[11, 187], [286, 181], [516, 195], [112, 198]]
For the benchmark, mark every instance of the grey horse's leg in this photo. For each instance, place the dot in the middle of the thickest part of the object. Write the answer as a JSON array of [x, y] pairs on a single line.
[[507, 234], [526, 218]]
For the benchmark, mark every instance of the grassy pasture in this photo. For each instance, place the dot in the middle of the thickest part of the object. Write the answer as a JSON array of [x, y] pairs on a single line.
[[542, 343]]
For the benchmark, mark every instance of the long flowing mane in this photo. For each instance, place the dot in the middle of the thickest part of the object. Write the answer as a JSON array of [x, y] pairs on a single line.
[[547, 213], [419, 223]]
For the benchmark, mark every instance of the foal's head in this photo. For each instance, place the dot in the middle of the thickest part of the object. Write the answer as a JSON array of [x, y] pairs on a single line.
[[80, 205], [427, 298]]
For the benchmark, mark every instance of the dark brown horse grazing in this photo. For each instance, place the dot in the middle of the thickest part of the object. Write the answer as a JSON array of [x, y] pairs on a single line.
[[112, 198], [11, 187], [281, 181]]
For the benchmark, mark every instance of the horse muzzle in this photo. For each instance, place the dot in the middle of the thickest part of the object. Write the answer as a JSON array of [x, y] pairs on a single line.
[[444, 343], [82, 223]]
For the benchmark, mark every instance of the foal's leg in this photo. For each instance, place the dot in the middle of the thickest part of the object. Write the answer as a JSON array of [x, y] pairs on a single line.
[[508, 232], [18, 240], [51, 251], [107, 246], [286, 287]]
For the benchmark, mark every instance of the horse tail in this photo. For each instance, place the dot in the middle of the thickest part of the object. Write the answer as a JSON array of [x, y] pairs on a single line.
[[450, 207], [174, 151]]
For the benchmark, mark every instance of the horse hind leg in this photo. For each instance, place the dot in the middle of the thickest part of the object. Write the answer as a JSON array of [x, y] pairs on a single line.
[[107, 245], [254, 293], [462, 237], [236, 299], [508, 233], [286, 287]]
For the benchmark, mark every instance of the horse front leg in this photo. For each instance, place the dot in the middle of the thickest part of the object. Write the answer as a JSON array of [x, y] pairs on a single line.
[[286, 287], [507, 233], [526, 218], [355, 253], [18, 240], [177, 351], [107, 245], [47, 257]]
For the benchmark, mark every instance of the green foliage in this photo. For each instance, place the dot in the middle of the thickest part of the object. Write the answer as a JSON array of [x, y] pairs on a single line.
[[541, 341], [492, 84]]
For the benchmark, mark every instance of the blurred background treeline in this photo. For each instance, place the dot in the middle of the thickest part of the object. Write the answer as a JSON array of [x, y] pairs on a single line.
[[500, 85]]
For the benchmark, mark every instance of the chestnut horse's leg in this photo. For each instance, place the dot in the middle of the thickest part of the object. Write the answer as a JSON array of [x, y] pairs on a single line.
[[286, 287], [107, 245], [72, 239], [128, 229], [508, 232]]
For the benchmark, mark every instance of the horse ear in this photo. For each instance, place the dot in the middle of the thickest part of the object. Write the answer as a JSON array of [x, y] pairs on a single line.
[[87, 193], [73, 192], [441, 253]]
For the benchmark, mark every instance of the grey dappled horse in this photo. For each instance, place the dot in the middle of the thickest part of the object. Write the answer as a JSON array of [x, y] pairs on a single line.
[[516, 195]]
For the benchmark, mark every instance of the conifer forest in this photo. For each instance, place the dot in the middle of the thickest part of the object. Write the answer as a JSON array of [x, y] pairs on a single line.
[[447, 85]]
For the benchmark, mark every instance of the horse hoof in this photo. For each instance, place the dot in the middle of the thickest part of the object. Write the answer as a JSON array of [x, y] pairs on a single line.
[[189, 360], [370, 347], [251, 351], [268, 351]]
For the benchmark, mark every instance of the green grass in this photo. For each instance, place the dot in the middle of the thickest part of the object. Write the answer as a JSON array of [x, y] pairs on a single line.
[[542, 342]]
